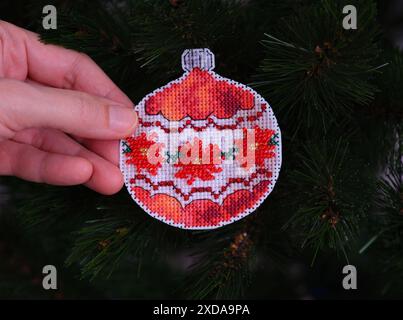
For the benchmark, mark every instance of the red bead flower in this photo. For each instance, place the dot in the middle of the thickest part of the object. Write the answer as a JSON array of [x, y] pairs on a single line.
[[143, 153], [198, 163], [255, 147]]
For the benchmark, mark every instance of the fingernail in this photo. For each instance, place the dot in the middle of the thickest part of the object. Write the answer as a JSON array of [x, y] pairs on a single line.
[[122, 119]]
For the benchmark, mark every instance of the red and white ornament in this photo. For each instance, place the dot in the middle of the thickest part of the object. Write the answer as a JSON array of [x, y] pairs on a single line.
[[207, 151]]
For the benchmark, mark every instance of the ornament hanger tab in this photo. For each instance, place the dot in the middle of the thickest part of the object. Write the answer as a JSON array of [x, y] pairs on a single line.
[[198, 58]]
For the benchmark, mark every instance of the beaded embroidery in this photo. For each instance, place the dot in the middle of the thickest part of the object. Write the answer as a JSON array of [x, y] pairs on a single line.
[[207, 151]]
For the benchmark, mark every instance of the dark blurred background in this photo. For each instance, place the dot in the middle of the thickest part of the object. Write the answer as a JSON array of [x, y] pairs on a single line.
[[20, 262]]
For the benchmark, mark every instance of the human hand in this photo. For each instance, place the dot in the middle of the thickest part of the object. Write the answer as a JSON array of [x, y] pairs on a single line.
[[48, 95]]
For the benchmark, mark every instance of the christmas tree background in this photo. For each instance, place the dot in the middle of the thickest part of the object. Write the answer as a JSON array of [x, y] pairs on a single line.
[[337, 95]]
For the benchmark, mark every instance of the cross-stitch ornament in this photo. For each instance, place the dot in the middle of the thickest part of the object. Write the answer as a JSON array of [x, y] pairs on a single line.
[[207, 151]]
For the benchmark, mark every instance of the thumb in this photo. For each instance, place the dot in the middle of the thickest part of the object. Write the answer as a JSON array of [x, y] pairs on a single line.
[[24, 105]]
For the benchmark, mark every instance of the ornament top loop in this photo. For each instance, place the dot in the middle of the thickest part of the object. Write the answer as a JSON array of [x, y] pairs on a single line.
[[198, 58]]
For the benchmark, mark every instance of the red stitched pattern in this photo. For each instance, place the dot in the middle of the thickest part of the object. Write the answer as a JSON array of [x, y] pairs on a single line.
[[189, 98], [200, 214], [196, 167], [170, 183], [137, 154], [261, 148], [211, 123], [216, 148], [207, 161]]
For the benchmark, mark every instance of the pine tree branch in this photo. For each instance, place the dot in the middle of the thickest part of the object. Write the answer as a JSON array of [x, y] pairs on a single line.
[[326, 183], [315, 70]]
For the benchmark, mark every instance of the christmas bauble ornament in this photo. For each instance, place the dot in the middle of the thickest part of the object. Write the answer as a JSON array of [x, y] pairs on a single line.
[[207, 150]]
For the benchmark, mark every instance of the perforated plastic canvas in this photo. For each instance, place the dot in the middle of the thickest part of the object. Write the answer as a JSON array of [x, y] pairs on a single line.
[[207, 151]]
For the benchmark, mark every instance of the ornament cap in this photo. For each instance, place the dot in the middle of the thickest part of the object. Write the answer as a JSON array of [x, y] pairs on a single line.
[[198, 58]]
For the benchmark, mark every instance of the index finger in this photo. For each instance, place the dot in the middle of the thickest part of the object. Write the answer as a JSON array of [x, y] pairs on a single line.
[[56, 66]]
